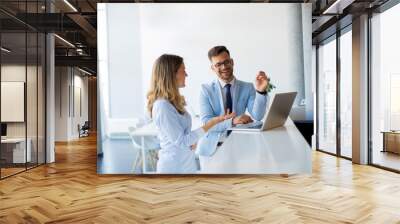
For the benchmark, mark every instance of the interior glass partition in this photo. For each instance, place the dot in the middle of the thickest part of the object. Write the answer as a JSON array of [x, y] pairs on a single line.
[[41, 97], [22, 77], [31, 100], [13, 109]]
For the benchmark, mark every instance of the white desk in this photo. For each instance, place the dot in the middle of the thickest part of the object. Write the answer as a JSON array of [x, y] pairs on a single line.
[[281, 150], [19, 149]]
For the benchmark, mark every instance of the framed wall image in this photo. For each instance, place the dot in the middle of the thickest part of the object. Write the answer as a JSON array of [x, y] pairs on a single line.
[[12, 101], [144, 132]]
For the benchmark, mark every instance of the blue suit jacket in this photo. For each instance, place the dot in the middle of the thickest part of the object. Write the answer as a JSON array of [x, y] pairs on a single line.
[[211, 105]]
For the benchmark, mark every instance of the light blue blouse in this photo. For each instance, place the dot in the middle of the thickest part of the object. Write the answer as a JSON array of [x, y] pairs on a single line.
[[176, 137]]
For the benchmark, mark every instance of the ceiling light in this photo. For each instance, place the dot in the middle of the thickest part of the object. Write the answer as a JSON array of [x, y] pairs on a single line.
[[338, 6], [70, 5], [5, 50], [86, 72], [65, 41]]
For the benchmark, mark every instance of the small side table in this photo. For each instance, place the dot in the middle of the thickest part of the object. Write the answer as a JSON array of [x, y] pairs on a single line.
[[391, 141]]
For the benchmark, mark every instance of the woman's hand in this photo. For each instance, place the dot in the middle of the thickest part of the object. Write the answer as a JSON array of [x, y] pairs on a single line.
[[221, 118], [212, 122]]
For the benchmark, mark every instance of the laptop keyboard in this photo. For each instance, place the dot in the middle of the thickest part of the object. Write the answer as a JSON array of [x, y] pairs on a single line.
[[252, 125], [255, 127]]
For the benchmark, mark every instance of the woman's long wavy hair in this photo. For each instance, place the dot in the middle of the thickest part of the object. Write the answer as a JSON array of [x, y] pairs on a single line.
[[164, 84]]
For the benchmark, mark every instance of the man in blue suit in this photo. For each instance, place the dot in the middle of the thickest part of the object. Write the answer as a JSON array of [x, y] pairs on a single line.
[[226, 93]]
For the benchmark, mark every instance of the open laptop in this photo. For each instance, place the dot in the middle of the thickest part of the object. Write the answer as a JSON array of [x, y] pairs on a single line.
[[277, 114]]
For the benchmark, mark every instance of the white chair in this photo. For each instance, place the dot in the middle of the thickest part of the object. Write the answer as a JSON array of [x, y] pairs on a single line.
[[146, 150]]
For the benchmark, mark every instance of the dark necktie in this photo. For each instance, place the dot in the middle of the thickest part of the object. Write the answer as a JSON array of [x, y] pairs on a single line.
[[228, 97]]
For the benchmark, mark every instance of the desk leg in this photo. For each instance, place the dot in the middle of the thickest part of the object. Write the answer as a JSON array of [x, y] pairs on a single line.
[[384, 143], [143, 157]]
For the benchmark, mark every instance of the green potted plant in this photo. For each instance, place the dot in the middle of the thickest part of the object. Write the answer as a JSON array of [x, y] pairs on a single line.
[[270, 86]]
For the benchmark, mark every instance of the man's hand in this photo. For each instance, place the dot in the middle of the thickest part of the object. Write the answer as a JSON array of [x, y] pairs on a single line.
[[261, 82], [242, 119], [193, 147]]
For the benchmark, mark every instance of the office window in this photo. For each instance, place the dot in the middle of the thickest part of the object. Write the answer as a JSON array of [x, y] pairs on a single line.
[[394, 101], [385, 89], [346, 94], [327, 96]]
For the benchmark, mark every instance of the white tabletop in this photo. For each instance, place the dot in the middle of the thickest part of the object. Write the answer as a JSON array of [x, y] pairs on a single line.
[[281, 150], [13, 140], [149, 129]]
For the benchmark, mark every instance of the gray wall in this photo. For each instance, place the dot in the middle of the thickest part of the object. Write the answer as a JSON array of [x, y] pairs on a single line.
[[69, 82]]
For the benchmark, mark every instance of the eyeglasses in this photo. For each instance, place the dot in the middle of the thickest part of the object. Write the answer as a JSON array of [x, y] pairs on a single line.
[[227, 62]]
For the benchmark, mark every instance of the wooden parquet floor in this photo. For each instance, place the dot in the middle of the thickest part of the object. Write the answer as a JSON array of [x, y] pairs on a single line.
[[70, 191]]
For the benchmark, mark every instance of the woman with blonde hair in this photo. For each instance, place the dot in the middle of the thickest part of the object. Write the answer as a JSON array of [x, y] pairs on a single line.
[[167, 109]]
